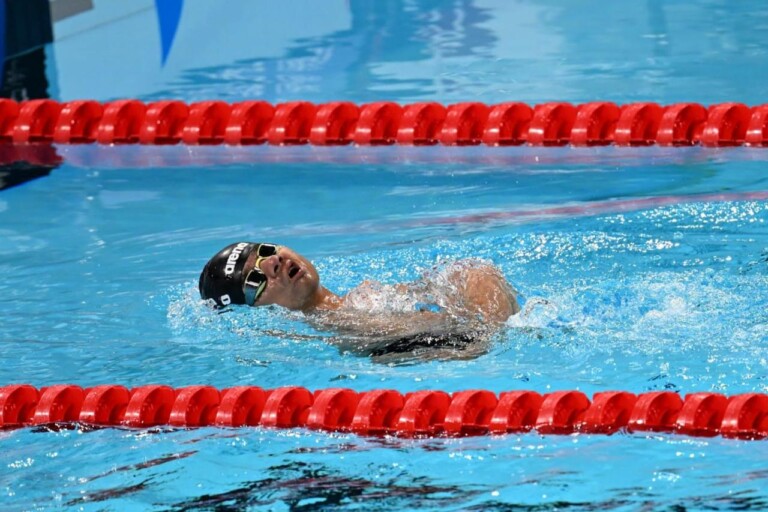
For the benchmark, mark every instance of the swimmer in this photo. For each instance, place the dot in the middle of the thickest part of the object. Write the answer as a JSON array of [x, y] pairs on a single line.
[[449, 309]]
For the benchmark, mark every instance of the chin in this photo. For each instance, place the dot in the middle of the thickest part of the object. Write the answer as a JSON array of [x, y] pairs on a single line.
[[308, 294]]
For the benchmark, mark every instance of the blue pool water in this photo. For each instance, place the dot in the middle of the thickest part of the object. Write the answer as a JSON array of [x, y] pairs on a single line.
[[641, 269]]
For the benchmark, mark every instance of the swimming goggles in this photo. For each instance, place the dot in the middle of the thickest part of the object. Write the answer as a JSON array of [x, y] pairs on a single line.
[[256, 282]]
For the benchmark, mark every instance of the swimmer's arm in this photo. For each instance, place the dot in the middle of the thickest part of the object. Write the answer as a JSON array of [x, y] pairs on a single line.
[[390, 324], [483, 296]]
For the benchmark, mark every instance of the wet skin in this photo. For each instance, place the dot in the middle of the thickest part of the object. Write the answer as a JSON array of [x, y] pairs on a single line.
[[293, 282]]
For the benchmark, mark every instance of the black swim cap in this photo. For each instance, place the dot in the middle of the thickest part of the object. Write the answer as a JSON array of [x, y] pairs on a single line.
[[222, 277]]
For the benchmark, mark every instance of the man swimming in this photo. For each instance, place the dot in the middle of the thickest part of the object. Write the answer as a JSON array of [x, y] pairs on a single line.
[[449, 309]]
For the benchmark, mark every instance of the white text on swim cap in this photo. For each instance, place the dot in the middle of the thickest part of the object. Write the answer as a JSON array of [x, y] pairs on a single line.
[[234, 255]]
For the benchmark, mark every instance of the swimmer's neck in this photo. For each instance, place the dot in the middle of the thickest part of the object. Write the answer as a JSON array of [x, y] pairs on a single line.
[[322, 300]]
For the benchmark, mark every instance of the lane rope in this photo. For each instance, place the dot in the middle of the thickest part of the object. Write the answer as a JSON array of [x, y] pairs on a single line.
[[382, 123], [388, 412]]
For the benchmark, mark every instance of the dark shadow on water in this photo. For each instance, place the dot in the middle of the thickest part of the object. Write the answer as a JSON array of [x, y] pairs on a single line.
[[109, 494], [301, 486], [129, 470], [18, 173], [146, 464]]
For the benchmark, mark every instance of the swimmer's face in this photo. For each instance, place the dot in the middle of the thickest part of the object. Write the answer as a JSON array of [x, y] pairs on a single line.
[[292, 280]]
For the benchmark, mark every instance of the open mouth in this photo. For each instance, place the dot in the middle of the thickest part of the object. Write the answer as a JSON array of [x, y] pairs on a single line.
[[293, 269]]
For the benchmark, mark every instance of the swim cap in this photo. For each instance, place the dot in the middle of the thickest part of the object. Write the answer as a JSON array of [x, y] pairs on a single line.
[[222, 277]]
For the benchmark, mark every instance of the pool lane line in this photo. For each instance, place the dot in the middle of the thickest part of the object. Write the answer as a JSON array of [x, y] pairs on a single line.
[[596, 123], [380, 412]]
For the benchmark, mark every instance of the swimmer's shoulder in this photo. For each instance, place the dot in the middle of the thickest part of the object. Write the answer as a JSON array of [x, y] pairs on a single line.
[[488, 291]]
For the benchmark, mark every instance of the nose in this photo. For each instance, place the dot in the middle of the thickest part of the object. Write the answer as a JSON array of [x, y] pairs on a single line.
[[271, 265]]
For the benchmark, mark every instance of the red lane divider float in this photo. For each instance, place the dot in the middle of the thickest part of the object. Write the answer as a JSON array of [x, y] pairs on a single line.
[[388, 412], [383, 123]]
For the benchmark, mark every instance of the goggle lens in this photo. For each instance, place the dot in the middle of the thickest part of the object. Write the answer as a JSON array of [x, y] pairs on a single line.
[[255, 281]]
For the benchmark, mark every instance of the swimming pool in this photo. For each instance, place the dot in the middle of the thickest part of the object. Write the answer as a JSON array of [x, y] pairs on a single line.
[[641, 269]]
